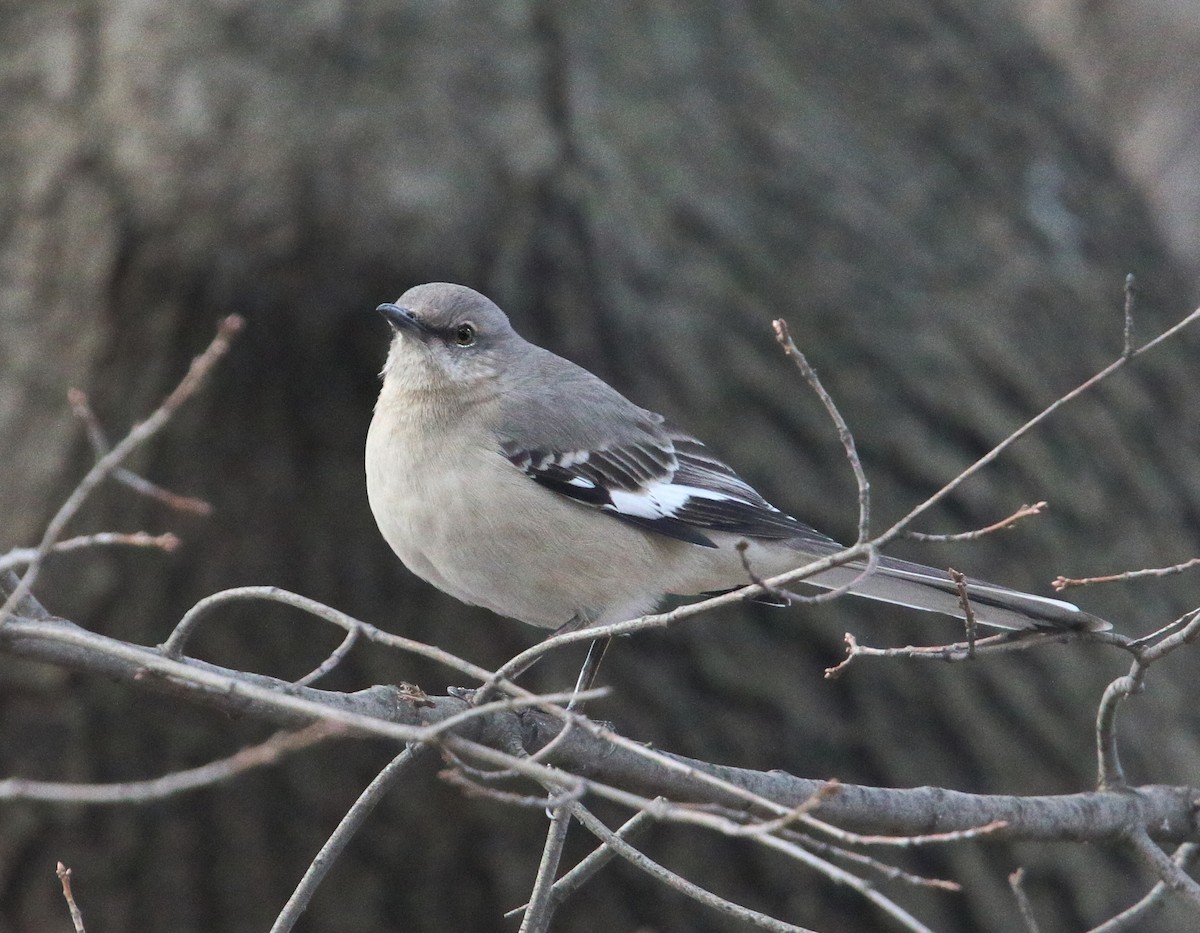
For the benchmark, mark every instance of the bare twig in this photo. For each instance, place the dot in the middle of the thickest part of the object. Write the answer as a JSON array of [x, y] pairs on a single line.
[[542, 903], [1168, 869], [840, 875], [883, 869], [902, 525], [138, 435], [1016, 881], [808, 599], [1135, 916], [541, 907], [911, 842], [83, 410], [178, 782], [174, 645], [396, 769], [677, 883], [1063, 583], [335, 658], [1001, 643], [964, 600], [1130, 301], [457, 778], [588, 867], [843, 431], [1025, 511], [687, 815], [1136, 645], [23, 557], [546, 701], [802, 809], [64, 875], [1110, 772]]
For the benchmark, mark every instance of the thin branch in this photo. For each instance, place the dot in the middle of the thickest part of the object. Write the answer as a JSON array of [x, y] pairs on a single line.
[[900, 526], [677, 883], [335, 658], [540, 911], [83, 410], [883, 869], [843, 431], [23, 557], [802, 809], [64, 875], [1016, 881], [138, 435], [1001, 643], [177, 782], [471, 788], [1025, 511], [833, 872], [1172, 642], [861, 886], [1110, 773], [1168, 869], [912, 842], [1130, 301], [396, 770], [808, 599], [1135, 916], [1136, 645], [174, 645], [541, 901], [590, 866], [1063, 583], [1108, 758], [964, 601]]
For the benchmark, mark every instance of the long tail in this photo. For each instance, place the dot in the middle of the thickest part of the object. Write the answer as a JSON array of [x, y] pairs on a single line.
[[904, 583]]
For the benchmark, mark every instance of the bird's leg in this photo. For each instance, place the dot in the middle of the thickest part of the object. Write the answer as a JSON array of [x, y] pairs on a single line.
[[580, 620], [595, 653], [591, 666]]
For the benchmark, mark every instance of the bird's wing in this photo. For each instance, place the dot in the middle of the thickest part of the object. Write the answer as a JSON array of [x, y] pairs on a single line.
[[663, 480], [600, 449]]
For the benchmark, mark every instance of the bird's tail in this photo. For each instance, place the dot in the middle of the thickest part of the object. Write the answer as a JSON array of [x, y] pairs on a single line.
[[904, 583]]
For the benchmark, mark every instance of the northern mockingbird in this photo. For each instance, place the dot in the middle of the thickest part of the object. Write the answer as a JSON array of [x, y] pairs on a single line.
[[513, 479]]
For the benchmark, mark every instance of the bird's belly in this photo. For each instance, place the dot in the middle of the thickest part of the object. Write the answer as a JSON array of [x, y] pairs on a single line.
[[507, 545]]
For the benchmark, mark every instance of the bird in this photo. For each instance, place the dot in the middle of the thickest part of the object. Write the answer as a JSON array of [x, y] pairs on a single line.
[[516, 480]]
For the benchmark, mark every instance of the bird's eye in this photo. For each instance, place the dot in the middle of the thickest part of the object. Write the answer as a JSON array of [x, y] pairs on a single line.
[[464, 335]]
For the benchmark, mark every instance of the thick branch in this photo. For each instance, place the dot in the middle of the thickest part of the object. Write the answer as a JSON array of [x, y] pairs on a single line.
[[1166, 812], [390, 712]]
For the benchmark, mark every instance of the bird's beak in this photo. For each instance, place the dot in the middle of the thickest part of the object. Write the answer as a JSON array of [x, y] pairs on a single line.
[[403, 319]]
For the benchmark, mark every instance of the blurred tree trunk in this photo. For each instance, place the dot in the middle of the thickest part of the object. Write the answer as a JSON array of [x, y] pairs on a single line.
[[1132, 65], [643, 188]]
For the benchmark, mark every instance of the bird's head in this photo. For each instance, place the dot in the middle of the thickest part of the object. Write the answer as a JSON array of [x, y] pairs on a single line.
[[446, 338]]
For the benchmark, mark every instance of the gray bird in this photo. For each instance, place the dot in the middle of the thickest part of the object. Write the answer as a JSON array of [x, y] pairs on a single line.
[[513, 479]]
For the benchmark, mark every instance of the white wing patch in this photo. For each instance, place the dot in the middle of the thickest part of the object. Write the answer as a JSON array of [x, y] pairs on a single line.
[[660, 500], [668, 484]]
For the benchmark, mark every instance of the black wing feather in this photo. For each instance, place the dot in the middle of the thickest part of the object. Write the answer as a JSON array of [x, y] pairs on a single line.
[[670, 485]]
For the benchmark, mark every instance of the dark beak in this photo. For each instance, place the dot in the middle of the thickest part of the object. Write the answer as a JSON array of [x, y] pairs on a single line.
[[403, 319]]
